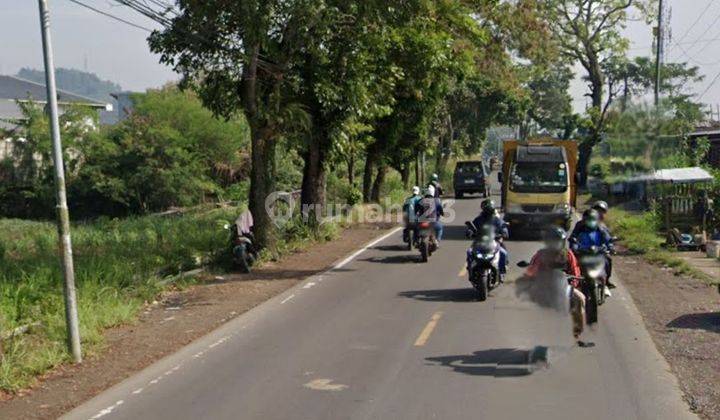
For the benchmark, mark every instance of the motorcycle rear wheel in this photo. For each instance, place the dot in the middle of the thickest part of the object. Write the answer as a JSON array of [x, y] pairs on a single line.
[[591, 306], [424, 251]]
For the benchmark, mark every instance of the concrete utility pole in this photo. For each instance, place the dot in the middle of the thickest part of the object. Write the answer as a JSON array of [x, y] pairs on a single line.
[[71, 312], [659, 51]]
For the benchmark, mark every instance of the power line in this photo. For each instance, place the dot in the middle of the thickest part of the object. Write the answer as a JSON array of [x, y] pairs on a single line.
[[111, 16], [717, 77], [700, 16]]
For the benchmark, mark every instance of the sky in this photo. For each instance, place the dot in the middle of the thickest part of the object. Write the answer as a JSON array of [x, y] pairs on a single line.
[[84, 39]]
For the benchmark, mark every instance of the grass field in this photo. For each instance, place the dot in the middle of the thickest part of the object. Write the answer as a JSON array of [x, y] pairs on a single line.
[[117, 265]]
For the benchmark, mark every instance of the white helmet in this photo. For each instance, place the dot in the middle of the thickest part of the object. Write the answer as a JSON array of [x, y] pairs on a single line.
[[431, 190], [416, 190]]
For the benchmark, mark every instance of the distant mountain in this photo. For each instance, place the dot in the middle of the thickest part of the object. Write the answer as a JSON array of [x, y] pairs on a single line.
[[76, 81]]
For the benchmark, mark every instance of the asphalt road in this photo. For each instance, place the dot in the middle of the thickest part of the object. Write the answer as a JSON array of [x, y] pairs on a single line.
[[385, 337]]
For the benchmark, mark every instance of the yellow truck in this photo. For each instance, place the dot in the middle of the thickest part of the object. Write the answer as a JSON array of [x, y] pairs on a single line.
[[539, 183]]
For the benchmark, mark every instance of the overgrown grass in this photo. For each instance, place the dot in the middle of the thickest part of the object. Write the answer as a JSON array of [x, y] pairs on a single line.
[[117, 265], [639, 234]]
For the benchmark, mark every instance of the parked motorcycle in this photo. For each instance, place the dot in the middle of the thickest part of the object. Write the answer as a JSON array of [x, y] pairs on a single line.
[[426, 242], [484, 267], [242, 246]]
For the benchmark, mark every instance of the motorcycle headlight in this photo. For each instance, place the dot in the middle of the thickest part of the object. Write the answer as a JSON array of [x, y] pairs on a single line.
[[594, 272], [561, 208]]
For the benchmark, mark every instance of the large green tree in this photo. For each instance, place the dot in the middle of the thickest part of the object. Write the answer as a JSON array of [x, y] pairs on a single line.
[[589, 32]]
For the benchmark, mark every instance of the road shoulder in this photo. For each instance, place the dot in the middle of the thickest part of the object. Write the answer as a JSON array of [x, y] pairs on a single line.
[[178, 318], [680, 314]]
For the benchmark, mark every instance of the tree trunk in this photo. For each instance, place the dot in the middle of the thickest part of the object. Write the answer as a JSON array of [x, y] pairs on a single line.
[[377, 185], [417, 169], [351, 170], [585, 153], [405, 176], [262, 173], [312, 197], [367, 175], [262, 158]]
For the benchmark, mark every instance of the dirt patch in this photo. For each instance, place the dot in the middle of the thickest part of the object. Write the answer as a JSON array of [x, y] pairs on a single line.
[[682, 317], [176, 319]]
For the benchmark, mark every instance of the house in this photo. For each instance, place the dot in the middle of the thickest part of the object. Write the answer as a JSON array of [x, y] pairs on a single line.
[[713, 136], [14, 90]]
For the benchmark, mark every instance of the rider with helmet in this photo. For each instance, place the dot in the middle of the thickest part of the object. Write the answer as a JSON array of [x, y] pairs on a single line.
[[409, 214], [435, 183], [430, 209], [592, 237], [490, 217], [554, 256]]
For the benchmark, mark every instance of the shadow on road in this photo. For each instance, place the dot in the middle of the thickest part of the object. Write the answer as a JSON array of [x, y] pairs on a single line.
[[394, 259], [402, 247], [455, 233], [504, 362], [708, 321], [442, 295]]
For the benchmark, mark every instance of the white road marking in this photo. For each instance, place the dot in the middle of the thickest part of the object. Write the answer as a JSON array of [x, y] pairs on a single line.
[[309, 285], [287, 299], [365, 248], [137, 391], [325, 385]]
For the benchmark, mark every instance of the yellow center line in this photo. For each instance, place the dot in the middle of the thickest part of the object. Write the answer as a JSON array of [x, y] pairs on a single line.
[[463, 271], [425, 334]]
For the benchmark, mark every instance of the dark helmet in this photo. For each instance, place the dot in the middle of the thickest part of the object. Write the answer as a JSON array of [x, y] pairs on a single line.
[[590, 218], [601, 206], [590, 214], [556, 233], [555, 238], [487, 206]]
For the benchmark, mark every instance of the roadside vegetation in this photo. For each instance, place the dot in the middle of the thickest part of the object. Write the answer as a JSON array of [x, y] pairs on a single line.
[[639, 234]]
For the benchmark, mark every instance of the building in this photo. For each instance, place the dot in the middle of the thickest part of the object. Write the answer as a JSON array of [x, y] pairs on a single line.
[[713, 136], [14, 90]]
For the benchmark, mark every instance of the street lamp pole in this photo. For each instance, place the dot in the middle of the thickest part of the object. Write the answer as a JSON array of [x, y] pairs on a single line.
[[71, 312]]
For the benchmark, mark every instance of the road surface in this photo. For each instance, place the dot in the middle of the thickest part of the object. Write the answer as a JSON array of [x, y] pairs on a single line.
[[385, 337]]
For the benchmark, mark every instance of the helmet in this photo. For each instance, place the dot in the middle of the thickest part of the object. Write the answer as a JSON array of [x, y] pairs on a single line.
[[430, 191], [487, 206], [435, 177], [416, 190], [555, 238], [591, 218], [600, 206]]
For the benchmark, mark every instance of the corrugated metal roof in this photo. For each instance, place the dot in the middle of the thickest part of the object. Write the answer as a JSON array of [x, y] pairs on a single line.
[[675, 176], [14, 88]]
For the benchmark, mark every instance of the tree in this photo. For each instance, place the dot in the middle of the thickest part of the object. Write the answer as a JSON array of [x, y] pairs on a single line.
[[237, 56], [590, 32], [550, 103]]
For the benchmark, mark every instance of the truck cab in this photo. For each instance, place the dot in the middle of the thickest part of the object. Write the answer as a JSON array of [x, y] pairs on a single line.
[[538, 184]]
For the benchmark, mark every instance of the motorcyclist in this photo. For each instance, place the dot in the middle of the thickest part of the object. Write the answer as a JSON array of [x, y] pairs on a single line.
[[435, 182], [489, 217], [430, 209], [602, 208], [487, 230], [409, 212], [554, 256], [591, 237]]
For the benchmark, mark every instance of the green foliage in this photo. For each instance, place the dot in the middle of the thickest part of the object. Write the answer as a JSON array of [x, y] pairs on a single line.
[[170, 152], [117, 265]]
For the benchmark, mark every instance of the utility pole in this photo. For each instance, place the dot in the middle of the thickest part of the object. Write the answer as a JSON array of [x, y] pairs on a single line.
[[71, 312], [659, 51]]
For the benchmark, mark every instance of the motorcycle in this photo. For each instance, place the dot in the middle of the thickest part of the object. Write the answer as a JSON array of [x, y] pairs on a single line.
[[484, 267], [242, 247], [426, 242], [594, 280]]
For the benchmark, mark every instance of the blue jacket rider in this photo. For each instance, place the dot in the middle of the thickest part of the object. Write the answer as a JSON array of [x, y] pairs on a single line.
[[591, 234]]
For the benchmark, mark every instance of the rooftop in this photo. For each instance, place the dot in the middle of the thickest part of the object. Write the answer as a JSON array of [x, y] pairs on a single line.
[[13, 88]]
